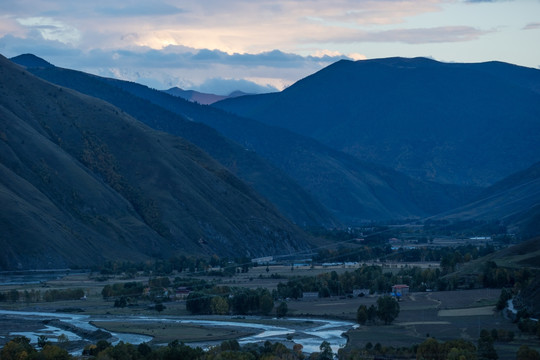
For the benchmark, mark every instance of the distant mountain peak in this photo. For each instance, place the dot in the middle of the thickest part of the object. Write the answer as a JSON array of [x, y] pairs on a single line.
[[201, 98], [31, 61]]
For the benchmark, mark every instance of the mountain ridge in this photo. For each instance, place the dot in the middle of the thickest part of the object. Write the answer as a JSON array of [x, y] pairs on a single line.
[[355, 192], [448, 122], [83, 183], [514, 202], [272, 183]]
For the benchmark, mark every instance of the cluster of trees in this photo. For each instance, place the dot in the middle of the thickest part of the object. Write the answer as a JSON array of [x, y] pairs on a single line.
[[334, 284], [494, 276], [387, 310], [223, 300], [128, 289], [229, 349], [373, 278], [449, 257], [20, 348], [528, 326], [378, 351], [158, 289], [180, 264], [37, 295], [431, 349]]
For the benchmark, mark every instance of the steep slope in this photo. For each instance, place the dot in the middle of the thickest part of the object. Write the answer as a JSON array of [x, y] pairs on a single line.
[[451, 123], [83, 182], [288, 196], [355, 191], [514, 201]]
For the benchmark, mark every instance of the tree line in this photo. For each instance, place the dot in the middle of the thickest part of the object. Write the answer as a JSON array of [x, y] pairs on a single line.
[[37, 295]]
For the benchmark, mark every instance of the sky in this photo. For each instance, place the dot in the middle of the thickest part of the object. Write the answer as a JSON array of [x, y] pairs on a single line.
[[219, 46]]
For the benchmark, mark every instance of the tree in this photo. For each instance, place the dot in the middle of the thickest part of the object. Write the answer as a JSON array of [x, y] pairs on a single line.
[[371, 313], [52, 352], [326, 351], [362, 314], [16, 349], [526, 353], [219, 305], [266, 303], [281, 310], [198, 303], [429, 350], [486, 351], [42, 341], [506, 294], [387, 309]]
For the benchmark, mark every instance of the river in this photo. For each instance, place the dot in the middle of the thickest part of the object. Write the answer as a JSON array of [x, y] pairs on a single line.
[[310, 333]]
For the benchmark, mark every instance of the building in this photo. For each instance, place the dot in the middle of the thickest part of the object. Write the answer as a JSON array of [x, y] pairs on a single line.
[[309, 295], [400, 290]]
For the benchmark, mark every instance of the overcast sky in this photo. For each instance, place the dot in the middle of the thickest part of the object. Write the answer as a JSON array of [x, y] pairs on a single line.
[[261, 45]]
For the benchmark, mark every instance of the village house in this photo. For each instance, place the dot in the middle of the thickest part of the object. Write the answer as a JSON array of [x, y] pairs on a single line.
[[400, 290]]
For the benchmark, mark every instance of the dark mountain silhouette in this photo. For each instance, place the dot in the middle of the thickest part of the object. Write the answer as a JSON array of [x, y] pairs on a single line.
[[83, 182], [31, 61], [195, 96], [286, 194], [202, 98], [448, 122], [514, 202], [354, 191]]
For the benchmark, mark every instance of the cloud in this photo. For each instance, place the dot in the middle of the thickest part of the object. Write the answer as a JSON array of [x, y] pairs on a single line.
[[149, 8], [205, 70], [441, 34], [532, 26], [171, 43], [51, 29]]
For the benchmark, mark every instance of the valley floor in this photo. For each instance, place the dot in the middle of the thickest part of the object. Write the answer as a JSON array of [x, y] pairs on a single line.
[[441, 315]]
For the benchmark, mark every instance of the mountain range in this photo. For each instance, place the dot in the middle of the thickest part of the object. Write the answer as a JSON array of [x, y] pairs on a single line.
[[83, 182], [350, 190], [454, 123], [267, 179], [96, 168]]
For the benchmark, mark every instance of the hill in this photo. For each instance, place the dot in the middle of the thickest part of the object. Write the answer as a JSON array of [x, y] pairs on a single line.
[[201, 98], [447, 122], [82, 182], [274, 184], [514, 202], [522, 259], [195, 96], [354, 191]]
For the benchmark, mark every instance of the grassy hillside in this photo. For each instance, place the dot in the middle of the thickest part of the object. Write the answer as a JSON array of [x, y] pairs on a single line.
[[83, 182], [271, 182]]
